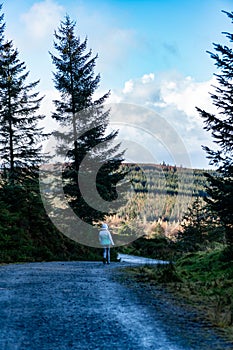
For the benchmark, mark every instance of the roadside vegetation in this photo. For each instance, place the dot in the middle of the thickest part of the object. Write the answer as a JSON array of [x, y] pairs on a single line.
[[202, 280], [26, 231], [201, 266]]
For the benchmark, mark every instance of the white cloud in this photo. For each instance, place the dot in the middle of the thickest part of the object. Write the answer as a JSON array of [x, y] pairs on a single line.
[[175, 99], [47, 107], [148, 78], [164, 122], [42, 18], [128, 86], [33, 27], [187, 94]]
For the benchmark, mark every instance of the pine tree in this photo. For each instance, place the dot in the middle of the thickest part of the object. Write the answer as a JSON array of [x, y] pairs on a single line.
[[220, 187], [2, 26], [199, 227], [86, 121], [20, 136], [24, 222]]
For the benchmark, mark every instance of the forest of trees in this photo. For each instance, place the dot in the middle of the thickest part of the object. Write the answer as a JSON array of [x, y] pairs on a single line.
[[159, 196], [213, 220], [160, 193], [200, 269], [26, 232]]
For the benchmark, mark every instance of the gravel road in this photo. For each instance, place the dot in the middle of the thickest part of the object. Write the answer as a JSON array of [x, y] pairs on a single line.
[[83, 305]]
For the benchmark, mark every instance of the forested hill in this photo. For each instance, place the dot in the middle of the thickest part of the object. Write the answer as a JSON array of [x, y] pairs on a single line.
[[162, 192], [26, 232], [165, 178]]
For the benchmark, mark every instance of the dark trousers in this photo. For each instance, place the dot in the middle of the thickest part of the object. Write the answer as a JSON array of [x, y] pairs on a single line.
[[106, 254]]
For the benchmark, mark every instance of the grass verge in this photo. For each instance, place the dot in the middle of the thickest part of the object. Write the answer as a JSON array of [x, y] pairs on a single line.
[[203, 279]]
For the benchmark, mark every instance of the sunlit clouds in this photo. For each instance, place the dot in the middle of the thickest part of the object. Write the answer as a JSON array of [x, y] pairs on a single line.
[[150, 54], [42, 18], [175, 99]]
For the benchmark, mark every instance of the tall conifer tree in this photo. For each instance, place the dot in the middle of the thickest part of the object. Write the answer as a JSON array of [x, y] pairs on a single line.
[[20, 136], [25, 231], [87, 122], [2, 27], [220, 187]]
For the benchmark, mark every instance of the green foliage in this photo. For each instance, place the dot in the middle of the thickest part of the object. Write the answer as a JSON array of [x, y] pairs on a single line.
[[157, 231], [201, 279], [27, 234], [209, 278], [220, 187], [85, 133], [158, 247], [19, 131], [161, 273], [204, 266], [166, 273], [199, 228], [155, 189]]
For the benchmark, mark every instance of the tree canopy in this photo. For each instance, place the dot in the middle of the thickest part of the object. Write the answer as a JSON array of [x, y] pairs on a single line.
[[20, 135], [86, 120], [220, 187]]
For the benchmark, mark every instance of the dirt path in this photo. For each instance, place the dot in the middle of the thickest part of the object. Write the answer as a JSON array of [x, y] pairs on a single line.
[[82, 305]]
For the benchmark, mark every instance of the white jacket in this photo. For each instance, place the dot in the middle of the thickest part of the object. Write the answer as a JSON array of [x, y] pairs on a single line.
[[105, 237]]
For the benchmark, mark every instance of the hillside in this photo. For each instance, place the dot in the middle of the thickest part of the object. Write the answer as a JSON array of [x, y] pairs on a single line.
[[159, 194], [156, 201]]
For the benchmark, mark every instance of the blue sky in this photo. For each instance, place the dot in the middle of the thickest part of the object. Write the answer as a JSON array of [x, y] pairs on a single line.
[[150, 53]]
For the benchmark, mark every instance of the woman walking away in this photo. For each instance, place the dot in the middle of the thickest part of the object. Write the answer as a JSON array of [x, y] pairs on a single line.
[[106, 241]]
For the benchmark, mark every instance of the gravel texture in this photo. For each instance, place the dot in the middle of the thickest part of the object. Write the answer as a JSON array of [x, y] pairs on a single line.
[[88, 305]]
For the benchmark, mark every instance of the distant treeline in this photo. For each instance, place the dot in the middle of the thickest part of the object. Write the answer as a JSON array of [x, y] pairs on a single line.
[[161, 191], [158, 192]]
